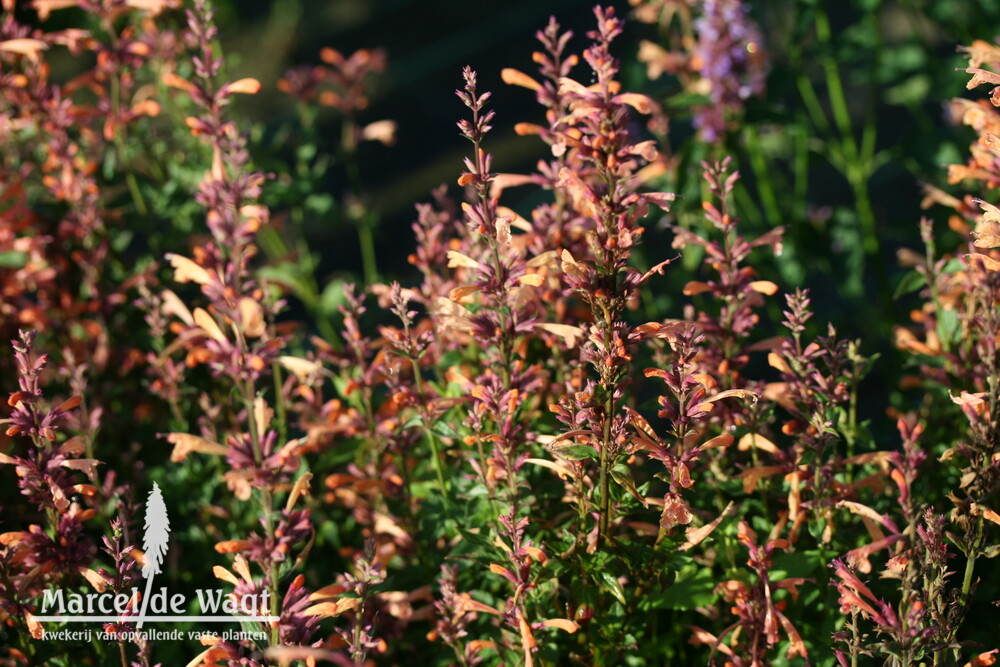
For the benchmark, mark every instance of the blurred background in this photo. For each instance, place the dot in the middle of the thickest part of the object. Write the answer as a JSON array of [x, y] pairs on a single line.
[[427, 44], [853, 121], [896, 60]]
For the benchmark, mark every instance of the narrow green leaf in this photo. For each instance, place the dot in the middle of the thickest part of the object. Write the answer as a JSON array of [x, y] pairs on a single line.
[[612, 584], [911, 282], [623, 476], [573, 451]]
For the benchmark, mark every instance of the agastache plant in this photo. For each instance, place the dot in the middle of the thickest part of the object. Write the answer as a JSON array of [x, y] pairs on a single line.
[[736, 288], [504, 284], [599, 188], [234, 337], [927, 615], [529, 443], [956, 332], [761, 622], [72, 173], [53, 478], [123, 579]]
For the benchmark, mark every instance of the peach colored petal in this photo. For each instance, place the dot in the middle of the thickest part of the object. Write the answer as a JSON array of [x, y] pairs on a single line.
[[515, 77]]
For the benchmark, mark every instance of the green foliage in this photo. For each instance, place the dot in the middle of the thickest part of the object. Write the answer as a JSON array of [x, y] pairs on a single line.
[[476, 486]]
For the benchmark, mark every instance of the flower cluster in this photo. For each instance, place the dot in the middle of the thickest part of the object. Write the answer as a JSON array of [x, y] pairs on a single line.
[[580, 425], [716, 50], [57, 482]]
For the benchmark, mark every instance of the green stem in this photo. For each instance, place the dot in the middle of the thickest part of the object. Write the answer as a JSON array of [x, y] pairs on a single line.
[[857, 161], [267, 505], [133, 187], [854, 647], [359, 654], [970, 566], [759, 165], [605, 478], [273, 580], [364, 221], [851, 432], [431, 439], [801, 165], [858, 178], [811, 100], [932, 276], [279, 398], [602, 529], [368, 263], [266, 501], [835, 86], [963, 600]]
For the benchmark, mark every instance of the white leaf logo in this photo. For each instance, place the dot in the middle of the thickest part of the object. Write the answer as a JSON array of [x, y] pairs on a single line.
[[155, 542]]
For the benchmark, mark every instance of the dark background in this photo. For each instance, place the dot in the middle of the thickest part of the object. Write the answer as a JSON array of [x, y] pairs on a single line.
[[428, 42], [897, 59]]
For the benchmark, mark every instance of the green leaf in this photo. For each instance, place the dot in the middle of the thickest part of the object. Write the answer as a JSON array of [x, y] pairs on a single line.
[[574, 452], [910, 91], [911, 282], [612, 585], [332, 297], [623, 476], [305, 152], [797, 564], [414, 420], [270, 240], [121, 239], [319, 203], [698, 591], [290, 275], [446, 430], [948, 325], [953, 266], [12, 259], [817, 527], [686, 100]]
